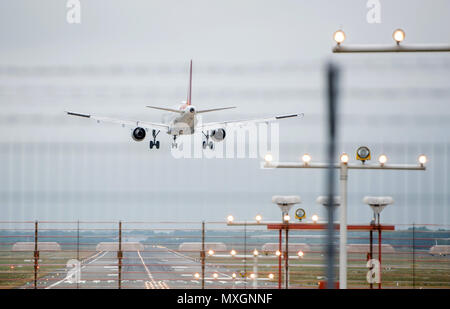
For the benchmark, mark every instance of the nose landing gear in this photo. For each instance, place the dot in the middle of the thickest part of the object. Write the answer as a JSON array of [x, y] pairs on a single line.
[[154, 142], [174, 144]]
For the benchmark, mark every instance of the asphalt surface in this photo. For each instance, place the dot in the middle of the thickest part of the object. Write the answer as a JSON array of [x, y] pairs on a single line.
[[156, 267]]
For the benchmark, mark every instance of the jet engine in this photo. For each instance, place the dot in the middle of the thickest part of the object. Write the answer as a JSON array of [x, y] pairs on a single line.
[[218, 135], [138, 134]]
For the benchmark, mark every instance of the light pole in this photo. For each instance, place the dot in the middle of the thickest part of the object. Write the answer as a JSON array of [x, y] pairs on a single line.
[[343, 167], [285, 203], [377, 203], [255, 268]]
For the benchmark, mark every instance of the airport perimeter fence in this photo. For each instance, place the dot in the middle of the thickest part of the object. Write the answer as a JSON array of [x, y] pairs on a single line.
[[187, 255]]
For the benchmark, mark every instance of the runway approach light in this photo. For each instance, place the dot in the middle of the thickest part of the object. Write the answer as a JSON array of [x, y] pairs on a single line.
[[285, 203], [211, 252], [398, 36], [230, 219], [422, 159], [363, 154], [306, 158], [268, 158], [258, 218], [255, 252], [233, 275], [315, 218], [271, 276], [344, 158], [253, 276], [300, 254], [277, 253], [382, 159], [233, 252], [215, 276], [378, 203], [197, 275], [339, 36]]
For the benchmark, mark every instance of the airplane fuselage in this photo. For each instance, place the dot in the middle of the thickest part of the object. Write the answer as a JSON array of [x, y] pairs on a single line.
[[183, 123]]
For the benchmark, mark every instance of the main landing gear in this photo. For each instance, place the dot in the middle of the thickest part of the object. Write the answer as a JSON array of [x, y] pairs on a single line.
[[154, 142], [207, 143]]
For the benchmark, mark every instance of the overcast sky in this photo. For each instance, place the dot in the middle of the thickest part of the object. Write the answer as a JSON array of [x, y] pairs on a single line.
[[266, 57]]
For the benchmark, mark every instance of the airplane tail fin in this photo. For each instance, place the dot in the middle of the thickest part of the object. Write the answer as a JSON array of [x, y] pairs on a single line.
[[189, 95]]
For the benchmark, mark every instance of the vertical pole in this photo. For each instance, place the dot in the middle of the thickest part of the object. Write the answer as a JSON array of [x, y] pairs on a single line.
[[119, 255], [255, 271], [279, 257], [343, 227], [332, 111], [286, 258], [379, 249], [414, 258], [371, 250], [245, 253], [78, 247], [202, 254], [36, 254]]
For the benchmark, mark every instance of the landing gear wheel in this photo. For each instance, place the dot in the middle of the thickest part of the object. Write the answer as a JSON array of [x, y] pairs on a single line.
[[154, 142], [174, 144], [207, 143]]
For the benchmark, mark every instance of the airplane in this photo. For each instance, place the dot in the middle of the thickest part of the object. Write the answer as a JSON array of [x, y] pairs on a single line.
[[184, 122]]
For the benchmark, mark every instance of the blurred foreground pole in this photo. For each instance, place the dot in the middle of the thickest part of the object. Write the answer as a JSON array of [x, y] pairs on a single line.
[[331, 96]]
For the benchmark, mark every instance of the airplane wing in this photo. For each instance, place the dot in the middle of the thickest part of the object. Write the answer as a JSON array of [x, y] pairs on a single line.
[[242, 123], [123, 123]]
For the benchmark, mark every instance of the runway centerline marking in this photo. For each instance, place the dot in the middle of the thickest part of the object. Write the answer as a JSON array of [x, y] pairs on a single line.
[[147, 270]]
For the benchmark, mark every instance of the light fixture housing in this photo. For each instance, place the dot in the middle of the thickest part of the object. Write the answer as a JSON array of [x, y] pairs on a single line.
[[339, 36], [268, 158], [382, 159], [422, 159], [306, 158], [398, 35], [363, 154], [344, 158]]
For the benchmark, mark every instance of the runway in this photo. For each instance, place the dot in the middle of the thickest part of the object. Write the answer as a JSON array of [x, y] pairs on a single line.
[[156, 267]]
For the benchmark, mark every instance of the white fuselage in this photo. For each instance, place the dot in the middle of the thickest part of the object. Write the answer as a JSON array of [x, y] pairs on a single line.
[[184, 123]]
